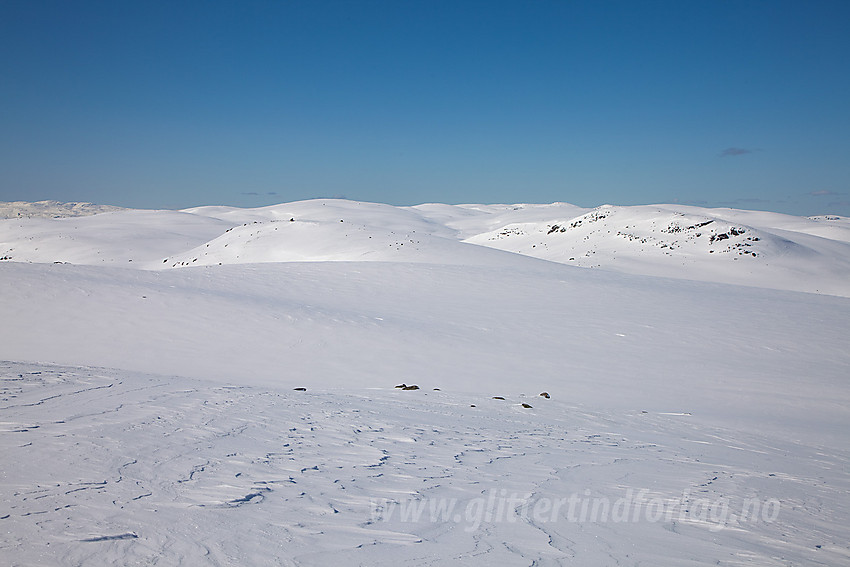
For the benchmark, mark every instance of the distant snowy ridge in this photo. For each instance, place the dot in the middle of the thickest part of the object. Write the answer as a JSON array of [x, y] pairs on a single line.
[[751, 248], [51, 209]]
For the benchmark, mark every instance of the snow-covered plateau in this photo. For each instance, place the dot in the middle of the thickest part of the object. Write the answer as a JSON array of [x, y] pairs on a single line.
[[642, 385]]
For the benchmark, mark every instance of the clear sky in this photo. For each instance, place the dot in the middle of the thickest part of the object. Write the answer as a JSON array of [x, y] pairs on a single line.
[[181, 103]]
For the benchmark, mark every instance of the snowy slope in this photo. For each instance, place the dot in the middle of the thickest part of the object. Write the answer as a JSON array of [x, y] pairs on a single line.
[[318, 241], [603, 339], [131, 237], [774, 251], [469, 220]]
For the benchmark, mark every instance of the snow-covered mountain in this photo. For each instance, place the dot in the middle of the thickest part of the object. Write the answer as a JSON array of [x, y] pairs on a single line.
[[217, 386]]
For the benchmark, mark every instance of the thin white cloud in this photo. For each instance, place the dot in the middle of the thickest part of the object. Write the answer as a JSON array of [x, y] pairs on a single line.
[[732, 152]]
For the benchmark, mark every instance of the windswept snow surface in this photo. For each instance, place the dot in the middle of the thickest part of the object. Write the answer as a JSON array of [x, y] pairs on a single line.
[[148, 411], [106, 467]]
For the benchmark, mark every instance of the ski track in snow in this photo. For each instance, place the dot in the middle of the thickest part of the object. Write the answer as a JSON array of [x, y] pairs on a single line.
[[120, 468]]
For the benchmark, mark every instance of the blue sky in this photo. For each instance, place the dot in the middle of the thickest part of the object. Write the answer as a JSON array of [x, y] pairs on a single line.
[[175, 104]]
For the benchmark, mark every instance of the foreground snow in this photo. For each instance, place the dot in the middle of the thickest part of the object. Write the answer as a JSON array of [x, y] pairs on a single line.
[[149, 410], [120, 468]]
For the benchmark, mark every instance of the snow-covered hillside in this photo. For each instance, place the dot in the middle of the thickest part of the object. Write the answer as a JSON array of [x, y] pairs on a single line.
[[217, 386], [720, 245], [774, 250]]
